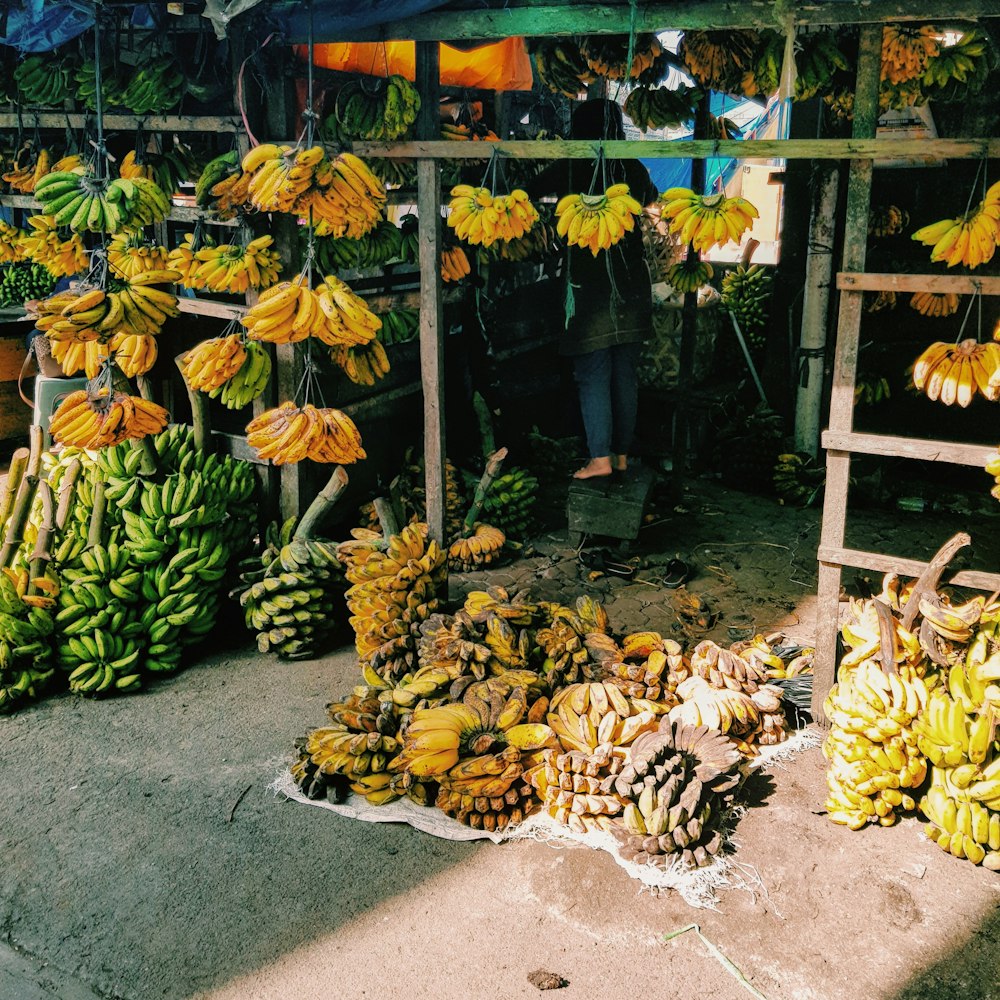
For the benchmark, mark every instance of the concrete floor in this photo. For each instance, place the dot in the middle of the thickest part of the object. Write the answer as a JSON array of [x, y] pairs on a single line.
[[124, 877]]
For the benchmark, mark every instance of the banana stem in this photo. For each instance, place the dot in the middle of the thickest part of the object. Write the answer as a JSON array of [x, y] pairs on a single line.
[[492, 470], [25, 497], [41, 556], [96, 529], [67, 493], [386, 517], [928, 580], [150, 464], [485, 419], [325, 501], [18, 463], [199, 413]]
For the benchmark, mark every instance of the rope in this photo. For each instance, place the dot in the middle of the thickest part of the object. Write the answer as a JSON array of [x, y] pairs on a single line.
[[240, 96]]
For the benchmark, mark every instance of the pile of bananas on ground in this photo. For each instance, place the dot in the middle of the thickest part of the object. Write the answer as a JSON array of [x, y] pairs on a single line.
[[85, 203], [955, 373], [887, 220], [480, 217], [659, 107], [222, 187], [290, 433], [719, 60], [706, 221], [935, 303], [561, 66], [43, 80], [971, 239], [85, 80], [745, 293], [608, 57], [292, 311], [374, 108], [476, 548], [104, 418], [689, 274], [377, 247], [454, 264], [24, 281], [62, 256], [155, 88], [232, 268], [798, 479], [399, 326], [26, 667], [341, 193], [597, 222], [289, 593]]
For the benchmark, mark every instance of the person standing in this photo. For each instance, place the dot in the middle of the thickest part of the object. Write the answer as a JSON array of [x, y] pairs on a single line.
[[612, 305]]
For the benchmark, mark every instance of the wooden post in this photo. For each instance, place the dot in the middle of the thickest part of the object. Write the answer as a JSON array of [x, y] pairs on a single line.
[[431, 336], [816, 309], [838, 463]]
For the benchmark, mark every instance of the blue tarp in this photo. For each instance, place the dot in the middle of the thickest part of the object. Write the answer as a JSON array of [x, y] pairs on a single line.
[[42, 25], [336, 17]]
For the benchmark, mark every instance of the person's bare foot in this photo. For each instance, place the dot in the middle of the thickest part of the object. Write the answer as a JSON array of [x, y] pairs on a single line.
[[621, 463], [594, 468]]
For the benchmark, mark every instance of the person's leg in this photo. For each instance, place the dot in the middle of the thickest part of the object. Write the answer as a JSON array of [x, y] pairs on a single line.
[[624, 400], [593, 379]]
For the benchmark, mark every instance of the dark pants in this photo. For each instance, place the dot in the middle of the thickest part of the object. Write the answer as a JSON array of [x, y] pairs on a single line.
[[609, 392]]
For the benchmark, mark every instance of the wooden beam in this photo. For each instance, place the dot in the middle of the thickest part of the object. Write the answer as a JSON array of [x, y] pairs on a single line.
[[876, 562], [790, 149], [431, 327], [958, 284], [190, 213], [845, 364], [505, 18], [952, 452], [125, 123], [207, 307]]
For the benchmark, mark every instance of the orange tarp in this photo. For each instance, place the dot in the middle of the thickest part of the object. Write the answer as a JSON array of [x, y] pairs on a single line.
[[502, 66]]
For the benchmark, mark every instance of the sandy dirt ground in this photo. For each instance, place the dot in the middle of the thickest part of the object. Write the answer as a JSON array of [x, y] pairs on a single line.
[[144, 857]]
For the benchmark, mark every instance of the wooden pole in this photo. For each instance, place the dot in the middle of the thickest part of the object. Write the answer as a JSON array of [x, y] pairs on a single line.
[[24, 498], [431, 338], [67, 493], [838, 463], [200, 419], [816, 309], [18, 463]]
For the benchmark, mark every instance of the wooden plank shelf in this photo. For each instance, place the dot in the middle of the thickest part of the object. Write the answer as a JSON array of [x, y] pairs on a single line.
[[209, 307], [504, 18], [122, 122], [178, 213], [957, 284], [877, 562], [789, 149], [952, 452]]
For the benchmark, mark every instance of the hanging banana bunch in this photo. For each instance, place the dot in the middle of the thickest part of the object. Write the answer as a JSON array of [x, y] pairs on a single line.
[[597, 221], [707, 220], [971, 239], [374, 109], [480, 217]]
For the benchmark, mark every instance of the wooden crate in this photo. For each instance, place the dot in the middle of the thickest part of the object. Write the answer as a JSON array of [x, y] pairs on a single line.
[[609, 505]]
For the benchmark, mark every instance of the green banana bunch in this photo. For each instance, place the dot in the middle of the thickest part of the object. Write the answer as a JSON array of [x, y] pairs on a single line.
[[215, 170], [399, 326], [745, 292], [375, 248], [250, 381], [959, 70], [43, 80], [660, 108], [509, 501], [871, 389], [155, 88], [373, 109], [85, 79], [26, 668], [409, 248], [817, 64], [561, 66], [83, 203], [394, 171], [290, 598], [24, 281]]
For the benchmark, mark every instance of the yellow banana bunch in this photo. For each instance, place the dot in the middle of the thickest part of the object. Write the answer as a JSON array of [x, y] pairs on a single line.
[[993, 469], [970, 239], [60, 257], [935, 303], [363, 365], [342, 193], [213, 362], [290, 433], [232, 268], [73, 315], [954, 373], [291, 311], [720, 60], [28, 168], [131, 253], [707, 220], [134, 353], [11, 249], [597, 222], [689, 274], [906, 51], [480, 217], [183, 259], [454, 264], [105, 419], [75, 356], [481, 548]]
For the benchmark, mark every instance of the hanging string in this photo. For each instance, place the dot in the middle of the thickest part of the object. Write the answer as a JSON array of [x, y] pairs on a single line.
[[978, 293], [240, 96], [101, 149]]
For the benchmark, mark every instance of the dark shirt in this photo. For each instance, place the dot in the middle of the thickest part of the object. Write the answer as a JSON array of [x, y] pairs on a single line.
[[612, 293]]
